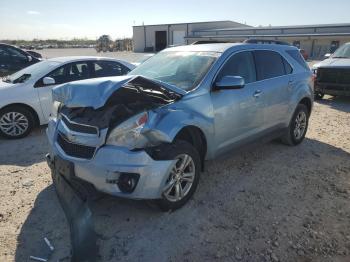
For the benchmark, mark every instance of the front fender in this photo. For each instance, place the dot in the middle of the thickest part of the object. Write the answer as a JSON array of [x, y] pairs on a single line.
[[167, 123]]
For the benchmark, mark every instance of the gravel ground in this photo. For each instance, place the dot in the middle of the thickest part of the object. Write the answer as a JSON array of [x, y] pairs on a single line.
[[268, 202]]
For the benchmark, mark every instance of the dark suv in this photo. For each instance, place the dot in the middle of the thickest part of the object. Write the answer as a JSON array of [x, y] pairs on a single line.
[[13, 59]]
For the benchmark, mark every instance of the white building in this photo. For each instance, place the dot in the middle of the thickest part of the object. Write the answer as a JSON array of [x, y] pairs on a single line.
[[316, 40], [157, 37]]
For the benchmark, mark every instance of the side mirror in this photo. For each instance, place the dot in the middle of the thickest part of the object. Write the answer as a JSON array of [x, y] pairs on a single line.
[[328, 55], [230, 82], [30, 58], [48, 81]]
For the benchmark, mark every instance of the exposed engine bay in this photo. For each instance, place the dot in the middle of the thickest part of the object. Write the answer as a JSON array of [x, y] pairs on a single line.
[[137, 95]]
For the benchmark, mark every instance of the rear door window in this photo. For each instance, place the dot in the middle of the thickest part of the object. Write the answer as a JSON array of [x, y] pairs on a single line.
[[109, 68], [269, 64], [240, 64]]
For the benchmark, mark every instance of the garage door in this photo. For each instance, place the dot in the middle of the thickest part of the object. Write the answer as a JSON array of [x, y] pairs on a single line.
[[179, 37]]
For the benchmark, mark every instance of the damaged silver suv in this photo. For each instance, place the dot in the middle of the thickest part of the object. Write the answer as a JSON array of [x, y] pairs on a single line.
[[146, 135]]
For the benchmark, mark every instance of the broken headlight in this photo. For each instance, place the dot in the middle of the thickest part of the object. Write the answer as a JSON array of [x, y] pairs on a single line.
[[128, 134]]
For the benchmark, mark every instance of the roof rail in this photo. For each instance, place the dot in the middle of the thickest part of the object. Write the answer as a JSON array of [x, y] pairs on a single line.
[[265, 41], [201, 42]]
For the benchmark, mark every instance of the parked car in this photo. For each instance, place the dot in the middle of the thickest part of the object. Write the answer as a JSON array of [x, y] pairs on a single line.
[[13, 59], [25, 96], [34, 54], [332, 76], [146, 135]]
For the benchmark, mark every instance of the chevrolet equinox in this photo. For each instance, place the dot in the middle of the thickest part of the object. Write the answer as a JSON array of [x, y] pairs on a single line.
[[146, 135]]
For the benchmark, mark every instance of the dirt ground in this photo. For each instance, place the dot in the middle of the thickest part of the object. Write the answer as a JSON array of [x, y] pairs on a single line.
[[267, 203]]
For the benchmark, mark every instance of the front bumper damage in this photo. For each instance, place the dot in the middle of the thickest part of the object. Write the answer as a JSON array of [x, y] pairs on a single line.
[[74, 197], [104, 170], [82, 164]]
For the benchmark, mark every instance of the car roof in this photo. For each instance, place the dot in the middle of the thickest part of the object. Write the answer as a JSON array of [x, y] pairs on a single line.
[[222, 47], [64, 59]]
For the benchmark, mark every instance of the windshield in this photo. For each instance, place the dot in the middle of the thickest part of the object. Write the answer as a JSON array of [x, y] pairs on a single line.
[[33, 71], [342, 52], [182, 69]]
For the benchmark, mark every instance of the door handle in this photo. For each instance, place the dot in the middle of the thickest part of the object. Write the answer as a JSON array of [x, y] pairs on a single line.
[[257, 93]]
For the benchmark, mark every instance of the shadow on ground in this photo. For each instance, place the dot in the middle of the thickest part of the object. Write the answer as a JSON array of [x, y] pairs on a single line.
[[341, 103], [242, 204], [46, 219], [25, 151]]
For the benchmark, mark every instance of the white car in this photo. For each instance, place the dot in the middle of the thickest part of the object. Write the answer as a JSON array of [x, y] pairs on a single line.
[[25, 96]]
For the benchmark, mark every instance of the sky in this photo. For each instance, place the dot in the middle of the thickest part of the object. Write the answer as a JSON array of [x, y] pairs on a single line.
[[67, 19]]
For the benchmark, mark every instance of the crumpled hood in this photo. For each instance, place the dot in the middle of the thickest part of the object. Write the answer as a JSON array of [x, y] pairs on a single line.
[[333, 62], [88, 93], [95, 92]]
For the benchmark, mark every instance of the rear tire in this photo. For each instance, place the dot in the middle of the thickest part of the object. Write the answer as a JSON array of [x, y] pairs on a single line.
[[183, 177], [297, 128], [16, 122]]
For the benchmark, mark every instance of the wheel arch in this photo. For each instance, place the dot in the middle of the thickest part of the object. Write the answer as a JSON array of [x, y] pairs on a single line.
[[196, 137], [29, 108], [307, 102]]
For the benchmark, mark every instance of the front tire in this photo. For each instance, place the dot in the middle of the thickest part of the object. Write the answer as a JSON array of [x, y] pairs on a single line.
[[298, 125], [183, 178], [16, 122]]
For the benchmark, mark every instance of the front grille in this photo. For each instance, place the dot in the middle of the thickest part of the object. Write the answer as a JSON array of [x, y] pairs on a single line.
[[79, 127], [334, 76], [75, 150]]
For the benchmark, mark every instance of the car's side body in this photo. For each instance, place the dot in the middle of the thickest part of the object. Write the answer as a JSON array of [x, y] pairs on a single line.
[[205, 108], [220, 120], [13, 59]]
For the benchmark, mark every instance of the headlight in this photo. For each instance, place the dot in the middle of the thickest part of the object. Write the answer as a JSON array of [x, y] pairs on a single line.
[[128, 134], [314, 71], [55, 109]]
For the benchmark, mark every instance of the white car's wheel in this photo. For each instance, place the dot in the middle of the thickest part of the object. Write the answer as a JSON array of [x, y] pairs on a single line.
[[16, 122]]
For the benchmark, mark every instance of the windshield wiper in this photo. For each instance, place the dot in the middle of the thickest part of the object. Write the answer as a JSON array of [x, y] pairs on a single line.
[[340, 57]]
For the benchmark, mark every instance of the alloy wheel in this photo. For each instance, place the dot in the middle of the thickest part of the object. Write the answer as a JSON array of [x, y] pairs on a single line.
[[300, 125], [180, 179], [14, 124]]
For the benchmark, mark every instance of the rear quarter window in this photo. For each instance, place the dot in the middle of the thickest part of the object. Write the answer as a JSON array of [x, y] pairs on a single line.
[[295, 54], [288, 68]]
